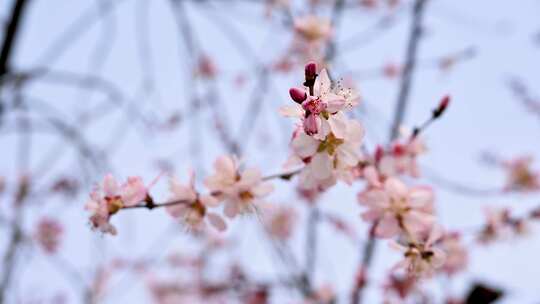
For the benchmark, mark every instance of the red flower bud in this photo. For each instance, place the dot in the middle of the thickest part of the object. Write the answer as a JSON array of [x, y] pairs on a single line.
[[311, 70], [298, 95]]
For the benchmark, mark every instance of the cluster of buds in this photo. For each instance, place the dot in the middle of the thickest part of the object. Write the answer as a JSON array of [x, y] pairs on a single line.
[[406, 213]]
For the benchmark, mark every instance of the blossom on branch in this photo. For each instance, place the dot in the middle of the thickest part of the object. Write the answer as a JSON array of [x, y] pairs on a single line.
[[396, 208], [109, 197], [329, 159], [456, 253], [192, 208], [241, 190], [421, 254]]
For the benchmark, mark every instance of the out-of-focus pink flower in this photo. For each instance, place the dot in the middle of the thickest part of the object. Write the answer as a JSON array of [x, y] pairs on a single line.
[[133, 191], [372, 176], [521, 176], [48, 234], [206, 67], [401, 158], [456, 253], [192, 208], [422, 257], [392, 70], [109, 197], [280, 221], [241, 191], [309, 194], [105, 200], [323, 294], [397, 208], [369, 3], [500, 225], [312, 28], [64, 185], [275, 5], [399, 287]]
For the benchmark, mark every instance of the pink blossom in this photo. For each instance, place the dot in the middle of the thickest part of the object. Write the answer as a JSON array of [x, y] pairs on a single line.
[[206, 67], [48, 234], [336, 98], [500, 225], [422, 257], [241, 190], [321, 113], [105, 200], [323, 294], [397, 208], [399, 287], [108, 198], [313, 28], [193, 209], [133, 191], [280, 221], [329, 159], [521, 176], [456, 253], [401, 158]]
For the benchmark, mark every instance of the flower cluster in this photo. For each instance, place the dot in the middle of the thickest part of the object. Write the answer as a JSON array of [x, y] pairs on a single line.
[[326, 142], [501, 224], [326, 147], [240, 191], [405, 213], [193, 211], [397, 209], [109, 197]]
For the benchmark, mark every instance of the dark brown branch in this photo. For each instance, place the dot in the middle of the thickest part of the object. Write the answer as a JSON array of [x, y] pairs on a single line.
[[10, 36], [408, 71]]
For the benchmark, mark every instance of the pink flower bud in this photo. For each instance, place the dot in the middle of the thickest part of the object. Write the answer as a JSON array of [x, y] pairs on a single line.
[[311, 70], [298, 95], [310, 124]]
